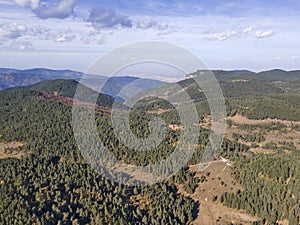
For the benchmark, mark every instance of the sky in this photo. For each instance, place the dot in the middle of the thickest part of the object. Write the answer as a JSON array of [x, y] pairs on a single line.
[[71, 34]]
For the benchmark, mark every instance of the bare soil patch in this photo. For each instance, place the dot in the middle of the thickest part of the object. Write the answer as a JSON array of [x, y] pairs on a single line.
[[262, 150], [244, 120], [278, 137], [159, 111], [10, 150], [212, 211]]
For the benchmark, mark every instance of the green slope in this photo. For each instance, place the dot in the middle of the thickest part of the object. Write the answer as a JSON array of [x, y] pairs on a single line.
[[54, 185], [67, 88]]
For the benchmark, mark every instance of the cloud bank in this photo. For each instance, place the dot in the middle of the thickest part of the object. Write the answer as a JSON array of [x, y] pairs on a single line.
[[246, 32]]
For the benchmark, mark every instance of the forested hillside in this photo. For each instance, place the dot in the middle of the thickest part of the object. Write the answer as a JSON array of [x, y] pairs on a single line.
[[53, 184], [271, 187], [270, 94]]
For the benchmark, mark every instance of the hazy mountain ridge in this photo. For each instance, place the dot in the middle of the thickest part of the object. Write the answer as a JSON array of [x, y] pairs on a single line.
[[14, 78], [268, 75], [113, 85]]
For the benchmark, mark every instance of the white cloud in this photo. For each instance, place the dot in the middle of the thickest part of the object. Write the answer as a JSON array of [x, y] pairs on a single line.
[[15, 44], [149, 23], [167, 32], [23, 46], [104, 18], [65, 38], [93, 37], [238, 32], [264, 34], [39, 31], [249, 29], [222, 36], [12, 30], [295, 57], [146, 24], [163, 26], [33, 4], [61, 10]]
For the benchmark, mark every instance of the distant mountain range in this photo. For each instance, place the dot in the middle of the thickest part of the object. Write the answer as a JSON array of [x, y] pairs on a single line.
[[250, 94], [233, 83], [241, 71], [113, 85], [15, 78], [269, 75]]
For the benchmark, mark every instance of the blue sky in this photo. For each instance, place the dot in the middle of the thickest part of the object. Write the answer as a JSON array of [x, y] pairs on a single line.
[[72, 34]]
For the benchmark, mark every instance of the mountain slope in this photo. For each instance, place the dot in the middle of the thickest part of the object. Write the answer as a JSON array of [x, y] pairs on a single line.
[[281, 75], [55, 185], [255, 95], [67, 89]]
